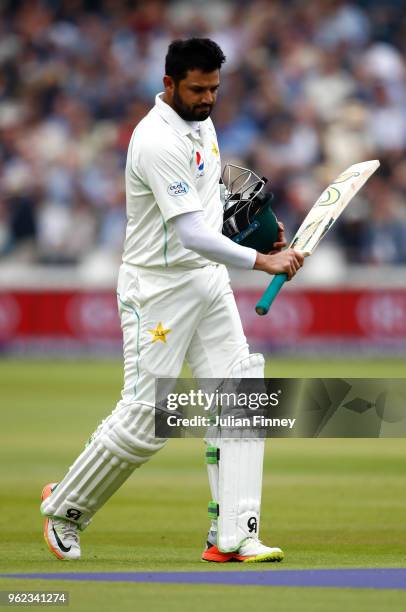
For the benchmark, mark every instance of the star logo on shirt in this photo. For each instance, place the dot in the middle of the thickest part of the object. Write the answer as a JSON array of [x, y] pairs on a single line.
[[159, 333], [214, 149]]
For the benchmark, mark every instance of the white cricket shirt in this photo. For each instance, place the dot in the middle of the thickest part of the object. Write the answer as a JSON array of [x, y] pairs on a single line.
[[171, 169]]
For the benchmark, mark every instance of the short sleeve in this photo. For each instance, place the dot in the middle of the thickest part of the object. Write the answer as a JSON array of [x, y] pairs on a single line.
[[166, 170]]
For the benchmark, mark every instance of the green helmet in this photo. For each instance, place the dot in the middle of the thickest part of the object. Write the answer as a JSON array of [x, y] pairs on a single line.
[[248, 217]]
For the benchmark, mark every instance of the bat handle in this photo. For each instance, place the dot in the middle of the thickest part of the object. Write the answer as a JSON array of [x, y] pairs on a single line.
[[270, 293]]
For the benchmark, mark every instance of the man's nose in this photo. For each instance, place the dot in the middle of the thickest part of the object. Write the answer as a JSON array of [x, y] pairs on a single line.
[[208, 98]]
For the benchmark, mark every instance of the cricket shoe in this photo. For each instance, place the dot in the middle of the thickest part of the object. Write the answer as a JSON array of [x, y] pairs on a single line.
[[62, 537], [250, 551]]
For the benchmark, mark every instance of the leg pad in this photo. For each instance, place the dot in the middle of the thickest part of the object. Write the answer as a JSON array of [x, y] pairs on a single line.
[[124, 442], [234, 468]]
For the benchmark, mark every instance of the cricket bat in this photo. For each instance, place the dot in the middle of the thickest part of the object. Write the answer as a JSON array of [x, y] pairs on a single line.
[[319, 220]]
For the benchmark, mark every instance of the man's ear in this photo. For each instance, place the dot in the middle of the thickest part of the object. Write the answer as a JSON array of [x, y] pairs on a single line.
[[169, 83]]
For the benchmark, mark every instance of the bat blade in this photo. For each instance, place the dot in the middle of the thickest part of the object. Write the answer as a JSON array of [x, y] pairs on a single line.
[[320, 218], [334, 199]]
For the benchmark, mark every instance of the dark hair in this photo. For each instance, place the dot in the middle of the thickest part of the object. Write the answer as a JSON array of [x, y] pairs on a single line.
[[194, 53]]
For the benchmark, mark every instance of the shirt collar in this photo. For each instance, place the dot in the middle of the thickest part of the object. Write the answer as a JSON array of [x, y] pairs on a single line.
[[172, 117]]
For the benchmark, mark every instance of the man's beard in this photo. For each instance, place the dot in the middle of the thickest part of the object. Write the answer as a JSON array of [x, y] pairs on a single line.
[[188, 113]]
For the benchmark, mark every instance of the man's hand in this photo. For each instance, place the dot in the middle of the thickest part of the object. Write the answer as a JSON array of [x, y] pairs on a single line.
[[281, 240], [288, 262]]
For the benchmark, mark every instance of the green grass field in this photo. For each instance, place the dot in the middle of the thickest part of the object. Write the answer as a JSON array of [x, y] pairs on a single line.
[[327, 503]]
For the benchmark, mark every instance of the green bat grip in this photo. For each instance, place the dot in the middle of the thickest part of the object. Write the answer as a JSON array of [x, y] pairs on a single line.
[[270, 293]]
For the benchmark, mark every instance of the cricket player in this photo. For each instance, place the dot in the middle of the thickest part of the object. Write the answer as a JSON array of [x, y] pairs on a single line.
[[175, 303]]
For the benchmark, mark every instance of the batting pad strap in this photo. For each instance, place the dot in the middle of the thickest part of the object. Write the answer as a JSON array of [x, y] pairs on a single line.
[[125, 442], [212, 454], [240, 486], [213, 510]]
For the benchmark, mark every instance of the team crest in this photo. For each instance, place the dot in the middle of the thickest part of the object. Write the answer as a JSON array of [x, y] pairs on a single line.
[[159, 333]]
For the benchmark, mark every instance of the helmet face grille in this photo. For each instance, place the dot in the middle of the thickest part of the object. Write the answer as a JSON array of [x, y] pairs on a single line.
[[242, 188]]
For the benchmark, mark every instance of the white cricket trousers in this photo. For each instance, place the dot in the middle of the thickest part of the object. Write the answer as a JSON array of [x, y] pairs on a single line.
[[172, 314], [167, 315]]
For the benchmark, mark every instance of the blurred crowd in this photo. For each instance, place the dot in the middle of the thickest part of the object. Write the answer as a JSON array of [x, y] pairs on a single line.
[[309, 87]]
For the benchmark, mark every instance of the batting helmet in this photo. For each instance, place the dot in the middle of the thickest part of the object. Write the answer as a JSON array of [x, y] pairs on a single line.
[[248, 218]]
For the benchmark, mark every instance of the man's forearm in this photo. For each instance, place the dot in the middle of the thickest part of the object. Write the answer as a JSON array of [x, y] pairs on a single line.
[[197, 236]]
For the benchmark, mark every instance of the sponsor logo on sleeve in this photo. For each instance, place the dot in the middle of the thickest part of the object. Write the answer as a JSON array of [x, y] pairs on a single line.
[[178, 188]]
